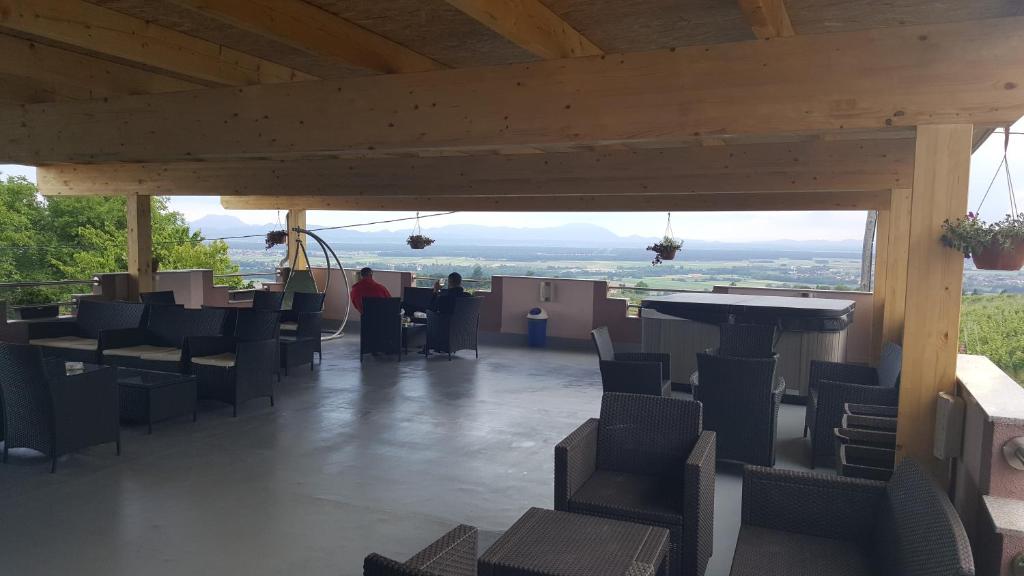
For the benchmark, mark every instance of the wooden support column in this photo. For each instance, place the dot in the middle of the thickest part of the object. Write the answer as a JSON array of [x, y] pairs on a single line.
[[934, 285], [878, 285], [891, 269], [139, 211], [296, 218]]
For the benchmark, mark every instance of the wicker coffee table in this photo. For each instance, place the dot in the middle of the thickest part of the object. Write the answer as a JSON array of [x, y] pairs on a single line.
[[565, 544], [148, 396]]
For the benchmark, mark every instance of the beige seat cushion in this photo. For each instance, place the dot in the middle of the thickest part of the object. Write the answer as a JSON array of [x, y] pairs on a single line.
[[67, 342], [169, 355], [142, 350], [225, 360], [291, 326]]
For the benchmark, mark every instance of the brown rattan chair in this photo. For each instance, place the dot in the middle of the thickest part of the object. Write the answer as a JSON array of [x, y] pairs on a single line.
[[631, 372], [741, 398], [834, 384], [647, 459], [453, 554], [805, 524]]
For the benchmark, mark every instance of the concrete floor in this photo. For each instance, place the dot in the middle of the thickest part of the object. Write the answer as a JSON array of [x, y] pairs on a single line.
[[381, 457]]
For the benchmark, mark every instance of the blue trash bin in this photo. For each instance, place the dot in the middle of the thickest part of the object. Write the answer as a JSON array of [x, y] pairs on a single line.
[[537, 328]]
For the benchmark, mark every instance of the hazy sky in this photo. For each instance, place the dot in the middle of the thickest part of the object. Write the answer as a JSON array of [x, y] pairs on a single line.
[[737, 226]]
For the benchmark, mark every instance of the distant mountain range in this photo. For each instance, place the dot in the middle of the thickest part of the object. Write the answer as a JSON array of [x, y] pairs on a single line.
[[568, 235]]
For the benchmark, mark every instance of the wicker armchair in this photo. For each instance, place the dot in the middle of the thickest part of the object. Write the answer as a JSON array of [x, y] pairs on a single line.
[[741, 398], [297, 322], [49, 411], [747, 340], [161, 298], [799, 523], [78, 340], [237, 368], [631, 372], [453, 554], [297, 347], [162, 344], [267, 301], [380, 327], [647, 460], [833, 384], [449, 333]]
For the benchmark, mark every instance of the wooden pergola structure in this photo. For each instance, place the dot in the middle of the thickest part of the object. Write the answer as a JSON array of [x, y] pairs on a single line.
[[545, 105]]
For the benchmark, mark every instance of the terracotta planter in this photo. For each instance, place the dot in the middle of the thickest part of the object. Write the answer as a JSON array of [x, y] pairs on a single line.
[[668, 254], [998, 257]]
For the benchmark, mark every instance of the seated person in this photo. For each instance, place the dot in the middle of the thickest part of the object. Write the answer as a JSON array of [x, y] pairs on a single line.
[[367, 287], [444, 299]]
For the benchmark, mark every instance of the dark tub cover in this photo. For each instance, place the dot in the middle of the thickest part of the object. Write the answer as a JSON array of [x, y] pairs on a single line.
[[788, 312]]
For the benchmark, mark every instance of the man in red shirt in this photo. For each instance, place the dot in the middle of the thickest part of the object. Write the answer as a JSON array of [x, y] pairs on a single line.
[[367, 287]]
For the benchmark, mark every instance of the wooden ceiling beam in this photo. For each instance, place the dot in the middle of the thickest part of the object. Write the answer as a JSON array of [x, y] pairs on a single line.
[[315, 31], [531, 25], [737, 202], [767, 18], [59, 74], [816, 166], [876, 80], [83, 26]]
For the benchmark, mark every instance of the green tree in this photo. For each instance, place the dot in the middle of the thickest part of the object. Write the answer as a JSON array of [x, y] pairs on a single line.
[[75, 237], [641, 284], [478, 273]]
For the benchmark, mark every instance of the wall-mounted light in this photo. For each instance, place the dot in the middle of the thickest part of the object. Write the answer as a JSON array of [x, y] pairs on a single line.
[[547, 291]]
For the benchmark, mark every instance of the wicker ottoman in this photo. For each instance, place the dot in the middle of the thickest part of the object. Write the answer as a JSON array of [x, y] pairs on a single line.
[[565, 544]]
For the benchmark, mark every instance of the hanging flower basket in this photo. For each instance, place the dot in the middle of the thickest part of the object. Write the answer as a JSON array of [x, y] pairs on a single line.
[[665, 250], [276, 238], [416, 240], [996, 246], [668, 246], [419, 241]]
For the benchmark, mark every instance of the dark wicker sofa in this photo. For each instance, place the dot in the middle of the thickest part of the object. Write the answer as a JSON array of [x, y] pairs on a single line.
[[453, 554], [800, 523], [833, 384], [161, 344], [646, 460], [78, 339]]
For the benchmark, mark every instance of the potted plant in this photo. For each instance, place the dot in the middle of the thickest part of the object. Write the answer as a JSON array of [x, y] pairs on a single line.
[[665, 249], [419, 241], [995, 246], [276, 237]]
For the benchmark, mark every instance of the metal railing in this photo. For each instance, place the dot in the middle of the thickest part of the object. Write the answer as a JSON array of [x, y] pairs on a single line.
[[247, 275], [37, 283]]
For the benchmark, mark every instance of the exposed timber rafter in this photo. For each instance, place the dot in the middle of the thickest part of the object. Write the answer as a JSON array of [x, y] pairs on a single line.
[[812, 166], [876, 80], [768, 18], [742, 201], [93, 29], [59, 74], [316, 31], [531, 25]]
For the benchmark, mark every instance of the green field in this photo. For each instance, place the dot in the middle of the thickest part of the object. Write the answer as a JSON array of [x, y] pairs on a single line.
[[993, 326]]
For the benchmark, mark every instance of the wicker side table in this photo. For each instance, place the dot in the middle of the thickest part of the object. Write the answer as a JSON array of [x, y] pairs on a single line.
[[546, 542], [148, 396]]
